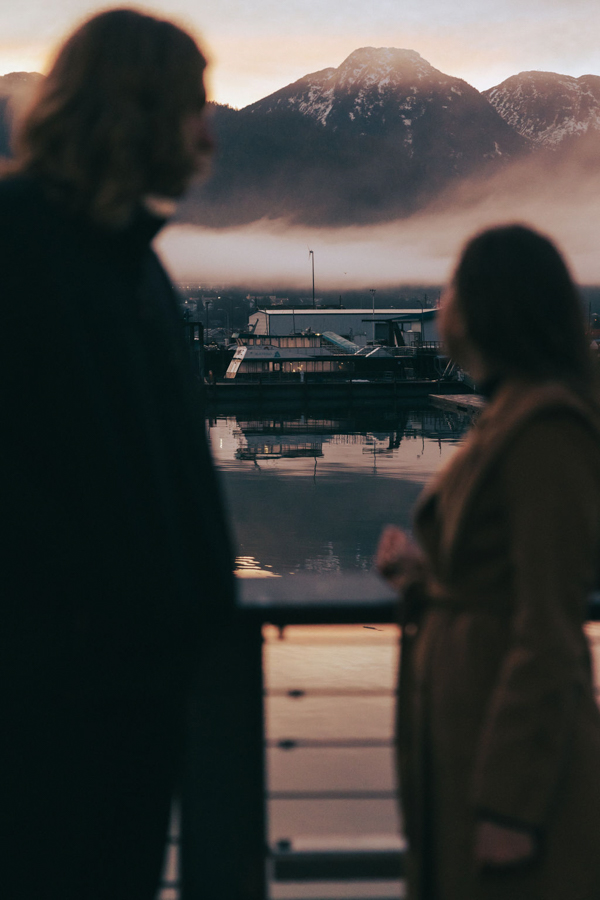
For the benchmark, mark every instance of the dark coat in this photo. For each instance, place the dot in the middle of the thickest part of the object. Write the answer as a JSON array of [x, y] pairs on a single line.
[[497, 713], [115, 560], [115, 555]]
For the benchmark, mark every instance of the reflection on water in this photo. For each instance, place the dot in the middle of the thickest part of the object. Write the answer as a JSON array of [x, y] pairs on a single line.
[[311, 492], [248, 567]]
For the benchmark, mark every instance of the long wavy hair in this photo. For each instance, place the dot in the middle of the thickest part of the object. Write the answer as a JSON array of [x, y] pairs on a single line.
[[105, 128], [521, 308]]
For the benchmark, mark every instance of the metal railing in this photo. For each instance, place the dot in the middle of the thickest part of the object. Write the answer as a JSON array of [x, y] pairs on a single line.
[[227, 855]]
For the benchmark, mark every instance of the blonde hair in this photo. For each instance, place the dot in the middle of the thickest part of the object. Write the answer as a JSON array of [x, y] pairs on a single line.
[[106, 126]]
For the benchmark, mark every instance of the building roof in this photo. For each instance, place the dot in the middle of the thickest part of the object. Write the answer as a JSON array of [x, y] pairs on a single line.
[[388, 313]]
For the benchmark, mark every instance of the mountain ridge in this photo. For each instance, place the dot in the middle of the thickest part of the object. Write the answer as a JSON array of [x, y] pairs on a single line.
[[376, 138], [370, 140], [546, 107]]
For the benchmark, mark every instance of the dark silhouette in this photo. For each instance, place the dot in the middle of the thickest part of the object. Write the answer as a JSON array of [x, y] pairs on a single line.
[[498, 728], [115, 558]]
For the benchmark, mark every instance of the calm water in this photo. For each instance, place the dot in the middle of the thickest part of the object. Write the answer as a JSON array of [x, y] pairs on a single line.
[[311, 493]]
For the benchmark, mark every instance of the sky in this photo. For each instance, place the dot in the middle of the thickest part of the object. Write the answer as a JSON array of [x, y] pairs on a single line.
[[258, 46]]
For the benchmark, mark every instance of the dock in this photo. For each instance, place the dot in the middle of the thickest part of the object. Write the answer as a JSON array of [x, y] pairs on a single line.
[[354, 391], [471, 403]]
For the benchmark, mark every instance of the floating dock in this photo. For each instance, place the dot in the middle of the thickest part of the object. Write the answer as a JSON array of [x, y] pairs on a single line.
[[355, 391]]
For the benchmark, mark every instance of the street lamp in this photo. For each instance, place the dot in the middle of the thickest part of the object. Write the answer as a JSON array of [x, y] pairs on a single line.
[[372, 292], [420, 302], [206, 304], [311, 253]]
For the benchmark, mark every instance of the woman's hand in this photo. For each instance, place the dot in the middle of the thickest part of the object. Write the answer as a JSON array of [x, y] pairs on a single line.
[[398, 559], [497, 845]]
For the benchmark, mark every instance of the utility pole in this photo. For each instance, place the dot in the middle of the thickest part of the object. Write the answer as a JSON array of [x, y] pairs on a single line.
[[372, 292], [420, 302], [311, 253]]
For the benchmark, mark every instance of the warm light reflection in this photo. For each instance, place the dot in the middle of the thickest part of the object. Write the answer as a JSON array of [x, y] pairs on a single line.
[[248, 567]]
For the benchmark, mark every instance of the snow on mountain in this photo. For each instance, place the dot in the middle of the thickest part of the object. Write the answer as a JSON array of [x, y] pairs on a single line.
[[398, 94], [367, 76], [548, 108], [375, 138]]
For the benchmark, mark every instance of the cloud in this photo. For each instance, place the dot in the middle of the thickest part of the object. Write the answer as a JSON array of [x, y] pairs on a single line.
[[559, 195]]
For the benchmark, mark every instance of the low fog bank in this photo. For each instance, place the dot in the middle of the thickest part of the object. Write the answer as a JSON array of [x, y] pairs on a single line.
[[559, 195]]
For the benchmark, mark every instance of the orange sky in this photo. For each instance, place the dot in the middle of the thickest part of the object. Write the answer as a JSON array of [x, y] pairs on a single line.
[[257, 46]]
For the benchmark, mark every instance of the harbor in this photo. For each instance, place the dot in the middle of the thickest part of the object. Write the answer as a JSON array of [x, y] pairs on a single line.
[[355, 356]]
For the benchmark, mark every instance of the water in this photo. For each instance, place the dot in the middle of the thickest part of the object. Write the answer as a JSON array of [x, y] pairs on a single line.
[[311, 493]]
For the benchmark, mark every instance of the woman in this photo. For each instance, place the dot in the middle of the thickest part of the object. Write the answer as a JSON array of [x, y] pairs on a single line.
[[498, 730], [115, 558]]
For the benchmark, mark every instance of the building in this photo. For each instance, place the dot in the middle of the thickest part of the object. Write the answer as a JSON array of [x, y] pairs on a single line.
[[361, 326]]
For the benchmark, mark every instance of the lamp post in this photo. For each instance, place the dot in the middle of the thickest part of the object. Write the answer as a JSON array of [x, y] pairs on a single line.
[[372, 292], [311, 253], [206, 305], [420, 302]]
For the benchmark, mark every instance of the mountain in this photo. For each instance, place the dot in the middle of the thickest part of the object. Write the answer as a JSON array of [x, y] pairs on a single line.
[[383, 91], [16, 89], [18, 83], [373, 139], [547, 108]]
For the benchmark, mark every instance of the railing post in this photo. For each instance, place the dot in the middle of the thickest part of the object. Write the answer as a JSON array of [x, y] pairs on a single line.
[[223, 822]]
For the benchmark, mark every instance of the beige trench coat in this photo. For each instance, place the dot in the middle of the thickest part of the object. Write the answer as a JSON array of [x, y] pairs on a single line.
[[497, 715]]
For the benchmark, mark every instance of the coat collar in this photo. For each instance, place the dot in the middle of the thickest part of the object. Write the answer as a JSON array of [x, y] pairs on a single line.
[[513, 405], [146, 219]]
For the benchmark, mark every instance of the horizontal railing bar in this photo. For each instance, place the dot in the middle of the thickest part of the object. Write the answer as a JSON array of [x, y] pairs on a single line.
[[337, 865], [350, 743], [344, 598], [332, 795], [326, 692]]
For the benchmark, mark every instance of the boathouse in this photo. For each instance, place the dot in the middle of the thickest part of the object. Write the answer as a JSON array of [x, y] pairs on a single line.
[[361, 326]]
